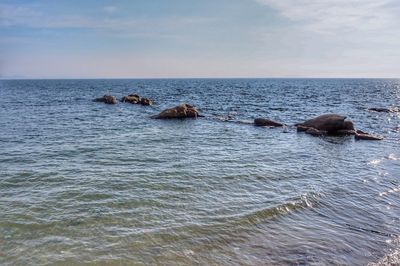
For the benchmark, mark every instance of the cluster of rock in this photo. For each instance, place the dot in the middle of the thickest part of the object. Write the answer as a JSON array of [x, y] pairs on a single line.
[[136, 99], [131, 98], [333, 124], [328, 124]]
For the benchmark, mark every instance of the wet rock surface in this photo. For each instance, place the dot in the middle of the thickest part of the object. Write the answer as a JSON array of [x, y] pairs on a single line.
[[108, 99], [136, 99], [181, 111], [384, 109], [330, 123], [333, 124], [262, 122]]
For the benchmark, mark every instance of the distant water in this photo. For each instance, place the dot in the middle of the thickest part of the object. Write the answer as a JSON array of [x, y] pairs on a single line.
[[82, 181]]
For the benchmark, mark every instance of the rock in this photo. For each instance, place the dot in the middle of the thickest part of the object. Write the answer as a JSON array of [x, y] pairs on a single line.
[[181, 111], [345, 132], [135, 99], [334, 125], [348, 129], [364, 135], [109, 99], [131, 98], [301, 128], [315, 132], [348, 125], [146, 101], [262, 122], [379, 109], [330, 123], [367, 136]]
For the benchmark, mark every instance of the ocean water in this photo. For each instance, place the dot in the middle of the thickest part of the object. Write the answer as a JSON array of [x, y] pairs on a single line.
[[86, 182]]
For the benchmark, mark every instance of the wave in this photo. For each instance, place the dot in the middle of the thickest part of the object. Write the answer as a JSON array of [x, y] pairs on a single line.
[[256, 216]]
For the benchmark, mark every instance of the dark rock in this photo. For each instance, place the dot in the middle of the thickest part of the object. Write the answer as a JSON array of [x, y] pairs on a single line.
[[146, 101], [331, 123], [262, 122], [109, 99], [348, 125], [181, 111], [131, 98], [345, 132], [378, 109], [301, 128], [315, 132], [135, 99], [366, 136]]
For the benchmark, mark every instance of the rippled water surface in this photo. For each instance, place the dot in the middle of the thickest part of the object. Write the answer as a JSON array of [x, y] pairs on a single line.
[[82, 181]]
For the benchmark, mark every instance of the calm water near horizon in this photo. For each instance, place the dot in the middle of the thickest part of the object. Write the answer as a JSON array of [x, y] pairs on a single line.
[[86, 182]]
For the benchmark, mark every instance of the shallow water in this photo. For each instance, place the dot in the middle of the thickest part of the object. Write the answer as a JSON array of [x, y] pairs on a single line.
[[82, 181]]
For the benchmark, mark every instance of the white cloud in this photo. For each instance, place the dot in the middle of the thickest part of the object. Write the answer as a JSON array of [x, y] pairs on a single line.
[[329, 16]]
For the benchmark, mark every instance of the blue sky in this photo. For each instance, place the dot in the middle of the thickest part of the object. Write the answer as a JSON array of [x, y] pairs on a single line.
[[199, 38]]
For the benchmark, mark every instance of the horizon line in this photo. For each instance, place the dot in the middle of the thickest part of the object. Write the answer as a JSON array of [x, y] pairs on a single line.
[[166, 78]]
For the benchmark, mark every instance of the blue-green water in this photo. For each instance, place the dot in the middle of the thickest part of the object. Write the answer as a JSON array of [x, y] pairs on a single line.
[[85, 182]]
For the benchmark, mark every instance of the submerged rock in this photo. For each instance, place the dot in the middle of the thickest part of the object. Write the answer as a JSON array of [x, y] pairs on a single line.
[[262, 122], [362, 135], [344, 132], [108, 99], [181, 111], [384, 110]]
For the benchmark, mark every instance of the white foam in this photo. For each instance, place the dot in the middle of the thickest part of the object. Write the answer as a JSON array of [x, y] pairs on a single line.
[[392, 257], [392, 157], [375, 162]]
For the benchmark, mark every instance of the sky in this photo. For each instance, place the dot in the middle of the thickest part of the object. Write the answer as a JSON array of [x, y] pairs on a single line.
[[199, 38]]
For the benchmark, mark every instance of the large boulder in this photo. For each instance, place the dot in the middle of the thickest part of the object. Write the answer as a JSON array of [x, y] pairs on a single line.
[[262, 122], [329, 123], [333, 124], [181, 111], [108, 99]]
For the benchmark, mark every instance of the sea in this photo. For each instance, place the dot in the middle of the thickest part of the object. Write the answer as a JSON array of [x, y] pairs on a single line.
[[83, 182]]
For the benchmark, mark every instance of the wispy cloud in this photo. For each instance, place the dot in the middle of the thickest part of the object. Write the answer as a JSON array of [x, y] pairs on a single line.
[[327, 16], [110, 9], [32, 18], [356, 38], [12, 15]]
